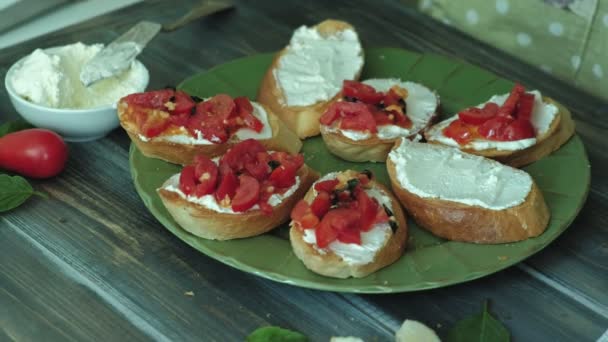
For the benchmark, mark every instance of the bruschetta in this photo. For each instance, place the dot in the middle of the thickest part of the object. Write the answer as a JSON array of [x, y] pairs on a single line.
[[246, 192], [307, 75], [365, 122], [348, 225], [173, 126], [464, 197], [515, 129]]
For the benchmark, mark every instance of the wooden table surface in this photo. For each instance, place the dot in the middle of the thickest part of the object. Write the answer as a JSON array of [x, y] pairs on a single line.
[[90, 262]]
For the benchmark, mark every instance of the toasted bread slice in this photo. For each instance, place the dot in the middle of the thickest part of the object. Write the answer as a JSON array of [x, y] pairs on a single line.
[[302, 113], [209, 224], [454, 204], [330, 264], [282, 139], [559, 132], [421, 107]]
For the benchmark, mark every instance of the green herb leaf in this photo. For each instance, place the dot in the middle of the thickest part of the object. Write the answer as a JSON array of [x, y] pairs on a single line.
[[14, 126], [481, 327], [14, 191], [275, 334]]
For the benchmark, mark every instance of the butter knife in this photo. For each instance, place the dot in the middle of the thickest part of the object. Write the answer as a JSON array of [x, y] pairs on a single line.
[[119, 54]]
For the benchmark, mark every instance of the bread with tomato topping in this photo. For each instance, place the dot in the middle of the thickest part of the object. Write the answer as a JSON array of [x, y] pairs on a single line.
[[163, 127], [335, 258], [370, 116], [464, 197], [200, 201], [306, 76], [523, 151]]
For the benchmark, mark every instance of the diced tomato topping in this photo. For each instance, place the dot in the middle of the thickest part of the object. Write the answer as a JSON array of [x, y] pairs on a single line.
[[525, 106], [349, 236], [183, 103], [352, 115], [459, 131], [361, 92], [242, 153], [391, 98], [150, 99], [245, 112], [227, 188], [259, 167], [367, 209], [179, 119], [381, 216], [327, 185], [152, 123], [333, 222], [211, 126], [475, 116], [187, 180], [220, 105], [490, 108], [302, 214], [205, 172], [508, 108], [517, 130], [284, 175], [321, 204], [247, 193], [493, 128]]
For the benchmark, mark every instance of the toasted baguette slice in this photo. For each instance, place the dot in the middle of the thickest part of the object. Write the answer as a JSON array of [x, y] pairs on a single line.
[[303, 117], [518, 211], [332, 265], [559, 132], [421, 107], [209, 224], [282, 139]]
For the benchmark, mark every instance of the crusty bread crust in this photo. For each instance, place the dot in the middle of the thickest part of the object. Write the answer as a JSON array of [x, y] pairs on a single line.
[[373, 149], [560, 131], [460, 222], [282, 139], [331, 265], [303, 120], [213, 225]]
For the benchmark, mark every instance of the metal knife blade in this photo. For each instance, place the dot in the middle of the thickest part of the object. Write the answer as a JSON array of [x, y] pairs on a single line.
[[118, 55]]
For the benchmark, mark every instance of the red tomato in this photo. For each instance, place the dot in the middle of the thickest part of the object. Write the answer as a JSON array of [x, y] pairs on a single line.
[[328, 185], [179, 119], [350, 236], [508, 108], [525, 107], [151, 99], [245, 112], [220, 105], [205, 173], [211, 126], [517, 130], [321, 204], [475, 116], [333, 222], [183, 103], [330, 115], [187, 180], [283, 176], [152, 123], [391, 98], [361, 92], [459, 131], [242, 153], [247, 194], [227, 187], [259, 167], [368, 209], [493, 128], [302, 214], [35, 153], [356, 116], [491, 108]]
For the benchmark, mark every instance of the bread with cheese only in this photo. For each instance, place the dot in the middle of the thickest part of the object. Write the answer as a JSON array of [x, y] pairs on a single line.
[[303, 120], [560, 131], [282, 139], [332, 265], [471, 223], [213, 225]]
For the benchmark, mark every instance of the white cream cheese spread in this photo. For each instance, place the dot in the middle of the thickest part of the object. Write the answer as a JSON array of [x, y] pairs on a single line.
[[421, 105], [209, 201], [242, 134], [371, 241], [435, 171], [51, 78], [543, 115], [314, 66]]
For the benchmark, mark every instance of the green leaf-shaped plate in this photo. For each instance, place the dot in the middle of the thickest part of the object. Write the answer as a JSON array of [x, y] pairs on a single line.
[[428, 262]]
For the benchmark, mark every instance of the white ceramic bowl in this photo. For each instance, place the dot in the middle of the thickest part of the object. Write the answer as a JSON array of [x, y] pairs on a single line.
[[76, 125]]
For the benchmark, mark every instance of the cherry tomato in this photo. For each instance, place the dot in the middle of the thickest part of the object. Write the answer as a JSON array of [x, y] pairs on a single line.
[[151, 122], [327, 185], [321, 204], [245, 112], [183, 103], [475, 116], [355, 116], [247, 194], [459, 131], [517, 130], [179, 119], [525, 107], [508, 108], [151, 99], [333, 222], [187, 181], [227, 187], [205, 173], [361, 92], [242, 153], [350, 236], [35, 153], [493, 128], [368, 210]]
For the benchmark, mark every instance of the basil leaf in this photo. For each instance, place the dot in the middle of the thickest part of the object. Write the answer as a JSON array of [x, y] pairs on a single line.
[[14, 191], [14, 126], [481, 327], [275, 334]]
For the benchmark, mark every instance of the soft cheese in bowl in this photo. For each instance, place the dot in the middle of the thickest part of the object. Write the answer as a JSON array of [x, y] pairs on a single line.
[[46, 90]]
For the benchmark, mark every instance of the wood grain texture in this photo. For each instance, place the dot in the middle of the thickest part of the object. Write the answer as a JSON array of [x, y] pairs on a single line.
[[90, 261]]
